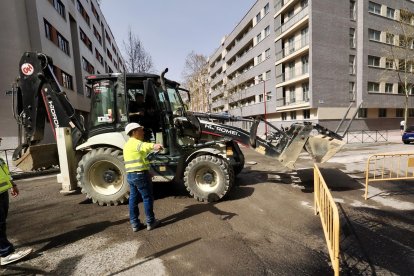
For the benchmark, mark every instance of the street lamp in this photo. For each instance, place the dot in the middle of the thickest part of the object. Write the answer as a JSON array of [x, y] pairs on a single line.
[[265, 105]]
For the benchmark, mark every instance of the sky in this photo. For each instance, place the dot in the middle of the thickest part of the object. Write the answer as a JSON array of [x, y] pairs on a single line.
[[171, 29]]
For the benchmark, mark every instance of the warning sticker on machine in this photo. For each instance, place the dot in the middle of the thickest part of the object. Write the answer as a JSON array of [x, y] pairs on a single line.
[[27, 69]]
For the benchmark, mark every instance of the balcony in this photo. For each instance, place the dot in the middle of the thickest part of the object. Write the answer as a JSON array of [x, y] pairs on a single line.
[[291, 76], [239, 45], [216, 80], [283, 103], [292, 21], [295, 48]]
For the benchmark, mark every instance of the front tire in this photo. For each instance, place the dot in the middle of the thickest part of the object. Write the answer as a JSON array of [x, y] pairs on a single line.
[[406, 142], [208, 178], [101, 175]]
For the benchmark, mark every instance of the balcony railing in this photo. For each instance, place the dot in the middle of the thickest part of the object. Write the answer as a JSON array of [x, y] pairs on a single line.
[[283, 102], [291, 74], [297, 45], [292, 21]]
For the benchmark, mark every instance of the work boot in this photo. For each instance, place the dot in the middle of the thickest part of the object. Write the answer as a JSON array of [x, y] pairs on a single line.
[[153, 225], [13, 257], [138, 227]]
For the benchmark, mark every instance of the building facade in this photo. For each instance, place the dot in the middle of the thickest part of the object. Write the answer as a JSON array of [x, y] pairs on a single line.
[[324, 56], [73, 32]]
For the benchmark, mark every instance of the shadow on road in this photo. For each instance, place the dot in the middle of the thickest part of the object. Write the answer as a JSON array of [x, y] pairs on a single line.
[[376, 240], [196, 209], [156, 255], [72, 236]]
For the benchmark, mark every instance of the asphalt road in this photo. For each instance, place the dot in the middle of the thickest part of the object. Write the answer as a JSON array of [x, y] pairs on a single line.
[[266, 226]]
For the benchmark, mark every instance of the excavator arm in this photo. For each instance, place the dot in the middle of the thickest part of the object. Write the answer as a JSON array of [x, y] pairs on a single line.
[[319, 142], [38, 98]]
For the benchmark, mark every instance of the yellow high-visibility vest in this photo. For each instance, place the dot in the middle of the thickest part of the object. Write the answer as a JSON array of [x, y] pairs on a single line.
[[5, 177], [135, 155]]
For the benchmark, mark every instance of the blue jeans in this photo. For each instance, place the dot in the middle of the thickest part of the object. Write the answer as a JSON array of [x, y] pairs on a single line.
[[6, 247], [140, 183]]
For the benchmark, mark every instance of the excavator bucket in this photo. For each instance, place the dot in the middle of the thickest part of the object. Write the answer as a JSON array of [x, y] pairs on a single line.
[[38, 156], [322, 147]]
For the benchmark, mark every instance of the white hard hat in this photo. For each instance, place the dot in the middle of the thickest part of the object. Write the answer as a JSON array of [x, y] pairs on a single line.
[[131, 126]]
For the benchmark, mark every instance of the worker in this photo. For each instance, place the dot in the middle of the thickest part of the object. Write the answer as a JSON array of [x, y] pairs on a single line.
[[139, 180], [7, 252]]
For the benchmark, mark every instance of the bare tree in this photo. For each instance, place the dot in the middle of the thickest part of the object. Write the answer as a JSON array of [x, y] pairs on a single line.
[[195, 75], [136, 58], [400, 55]]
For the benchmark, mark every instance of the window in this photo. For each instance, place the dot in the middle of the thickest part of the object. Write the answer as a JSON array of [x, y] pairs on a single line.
[[352, 10], [53, 35], [95, 13], [258, 17], [291, 42], [389, 63], [291, 69], [389, 39], [352, 91], [362, 113], [267, 75], [373, 86], [399, 112], [83, 12], [87, 66], [60, 8], [293, 115], [303, 3], [390, 13], [48, 29], [284, 116], [266, 9], [373, 61], [374, 7], [85, 39], [107, 37], [108, 53], [259, 37], [305, 64], [261, 98], [388, 87], [351, 64], [267, 53], [306, 114], [67, 80], [374, 35], [304, 36], [63, 44], [259, 58], [267, 31], [352, 43], [97, 35], [305, 92], [382, 112], [99, 57], [292, 94]]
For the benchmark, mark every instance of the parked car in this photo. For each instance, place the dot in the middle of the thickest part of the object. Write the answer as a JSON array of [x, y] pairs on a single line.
[[408, 135]]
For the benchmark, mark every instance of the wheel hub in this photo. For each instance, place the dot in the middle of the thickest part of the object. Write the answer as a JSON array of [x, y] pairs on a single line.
[[109, 176], [208, 178]]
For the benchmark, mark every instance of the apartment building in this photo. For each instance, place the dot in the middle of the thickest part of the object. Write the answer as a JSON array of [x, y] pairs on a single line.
[[73, 32], [325, 55], [242, 70]]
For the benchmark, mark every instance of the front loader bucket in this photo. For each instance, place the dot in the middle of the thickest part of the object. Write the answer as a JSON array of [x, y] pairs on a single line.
[[36, 157], [322, 147]]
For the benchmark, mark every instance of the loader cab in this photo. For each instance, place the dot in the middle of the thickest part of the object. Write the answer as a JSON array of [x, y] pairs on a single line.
[[117, 98], [108, 112]]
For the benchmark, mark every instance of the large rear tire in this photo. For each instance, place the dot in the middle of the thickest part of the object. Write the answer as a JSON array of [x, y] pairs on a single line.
[[101, 175], [208, 178]]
